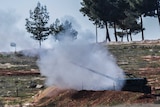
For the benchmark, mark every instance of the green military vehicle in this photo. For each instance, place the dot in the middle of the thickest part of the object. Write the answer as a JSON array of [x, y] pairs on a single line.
[[134, 84]]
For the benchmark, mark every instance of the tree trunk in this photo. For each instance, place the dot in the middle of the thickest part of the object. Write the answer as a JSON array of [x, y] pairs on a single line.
[[142, 28], [115, 32], [107, 33], [158, 11], [122, 39], [40, 43], [127, 36], [96, 34], [159, 19], [130, 34]]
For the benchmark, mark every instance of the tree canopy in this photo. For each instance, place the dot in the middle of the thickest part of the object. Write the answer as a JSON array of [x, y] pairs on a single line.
[[62, 31], [121, 14], [104, 12], [36, 23]]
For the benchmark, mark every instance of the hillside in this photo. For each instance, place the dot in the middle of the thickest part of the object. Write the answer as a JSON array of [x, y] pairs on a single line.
[[138, 58]]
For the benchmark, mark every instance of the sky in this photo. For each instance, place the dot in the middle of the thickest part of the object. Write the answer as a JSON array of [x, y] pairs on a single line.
[[13, 15]]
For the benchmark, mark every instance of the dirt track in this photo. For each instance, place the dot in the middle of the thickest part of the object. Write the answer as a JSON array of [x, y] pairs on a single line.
[[18, 73]]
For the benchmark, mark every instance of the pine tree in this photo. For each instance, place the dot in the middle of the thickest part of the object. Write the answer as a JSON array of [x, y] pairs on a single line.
[[62, 31], [36, 23], [105, 13]]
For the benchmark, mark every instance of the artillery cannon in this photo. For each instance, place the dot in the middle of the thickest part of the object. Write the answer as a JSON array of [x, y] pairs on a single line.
[[134, 84]]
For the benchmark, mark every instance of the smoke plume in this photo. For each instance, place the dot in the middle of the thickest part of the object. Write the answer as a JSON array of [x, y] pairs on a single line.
[[80, 65], [75, 64]]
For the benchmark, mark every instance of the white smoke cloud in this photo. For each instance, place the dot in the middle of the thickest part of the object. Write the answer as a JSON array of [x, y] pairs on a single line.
[[80, 65]]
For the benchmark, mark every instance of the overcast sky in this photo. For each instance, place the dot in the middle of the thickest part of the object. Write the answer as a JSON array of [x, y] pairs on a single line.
[[14, 12]]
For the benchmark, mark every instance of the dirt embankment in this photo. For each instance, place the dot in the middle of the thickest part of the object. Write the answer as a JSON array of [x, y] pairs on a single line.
[[72, 98]]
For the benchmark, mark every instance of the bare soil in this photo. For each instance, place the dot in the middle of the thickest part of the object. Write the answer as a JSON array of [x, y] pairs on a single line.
[[72, 98]]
